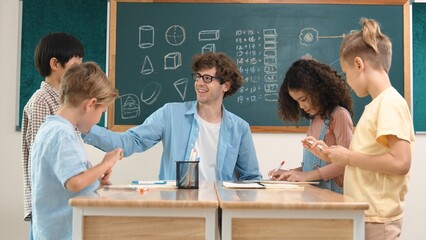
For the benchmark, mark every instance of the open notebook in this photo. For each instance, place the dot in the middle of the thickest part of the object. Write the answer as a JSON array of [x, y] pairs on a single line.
[[269, 181]]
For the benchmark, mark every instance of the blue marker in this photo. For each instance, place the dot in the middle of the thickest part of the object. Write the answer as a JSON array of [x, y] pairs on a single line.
[[148, 182]]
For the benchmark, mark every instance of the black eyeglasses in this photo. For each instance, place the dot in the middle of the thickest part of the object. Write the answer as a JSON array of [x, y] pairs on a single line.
[[206, 78]]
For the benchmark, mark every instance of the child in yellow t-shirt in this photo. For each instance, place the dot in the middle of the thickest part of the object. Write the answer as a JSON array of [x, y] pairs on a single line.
[[379, 157]]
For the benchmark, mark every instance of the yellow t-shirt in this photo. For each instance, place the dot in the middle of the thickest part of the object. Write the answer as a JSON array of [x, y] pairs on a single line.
[[387, 114]]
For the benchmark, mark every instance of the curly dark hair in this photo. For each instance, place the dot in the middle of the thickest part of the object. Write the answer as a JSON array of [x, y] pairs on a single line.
[[324, 86], [226, 69]]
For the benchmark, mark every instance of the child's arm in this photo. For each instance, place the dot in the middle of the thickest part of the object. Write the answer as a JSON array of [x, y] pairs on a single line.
[[397, 161], [82, 180]]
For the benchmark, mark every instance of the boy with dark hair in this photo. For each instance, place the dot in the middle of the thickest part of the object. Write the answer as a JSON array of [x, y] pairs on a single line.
[[55, 53]]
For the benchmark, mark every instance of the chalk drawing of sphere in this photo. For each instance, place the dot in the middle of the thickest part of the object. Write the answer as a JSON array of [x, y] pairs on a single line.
[[175, 35], [308, 36]]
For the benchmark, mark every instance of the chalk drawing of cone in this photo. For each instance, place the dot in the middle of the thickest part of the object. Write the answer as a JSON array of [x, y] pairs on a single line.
[[181, 86], [147, 67]]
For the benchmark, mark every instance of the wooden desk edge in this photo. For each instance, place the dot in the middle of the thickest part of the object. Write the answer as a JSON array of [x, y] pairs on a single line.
[[84, 202], [295, 206]]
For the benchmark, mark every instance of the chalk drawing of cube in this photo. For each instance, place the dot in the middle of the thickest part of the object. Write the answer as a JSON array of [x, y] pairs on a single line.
[[173, 60], [208, 48]]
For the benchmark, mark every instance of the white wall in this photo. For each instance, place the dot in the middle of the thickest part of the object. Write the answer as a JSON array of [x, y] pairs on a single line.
[[271, 148]]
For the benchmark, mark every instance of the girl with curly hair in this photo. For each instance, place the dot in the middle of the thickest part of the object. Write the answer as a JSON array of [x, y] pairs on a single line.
[[312, 90]]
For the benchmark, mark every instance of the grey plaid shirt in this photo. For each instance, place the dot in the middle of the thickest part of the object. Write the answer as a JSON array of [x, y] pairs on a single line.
[[45, 101]]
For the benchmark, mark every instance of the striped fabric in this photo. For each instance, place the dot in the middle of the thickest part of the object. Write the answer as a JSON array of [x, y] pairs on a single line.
[[45, 101]]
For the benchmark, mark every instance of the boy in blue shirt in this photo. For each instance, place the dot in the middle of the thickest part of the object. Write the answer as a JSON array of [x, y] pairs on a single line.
[[60, 169]]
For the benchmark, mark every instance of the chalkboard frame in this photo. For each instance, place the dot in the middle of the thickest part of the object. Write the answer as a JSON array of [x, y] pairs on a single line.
[[111, 123], [419, 73]]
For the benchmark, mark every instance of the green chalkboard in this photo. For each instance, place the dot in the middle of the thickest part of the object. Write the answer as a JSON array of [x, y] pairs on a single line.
[[87, 20], [419, 63], [153, 43]]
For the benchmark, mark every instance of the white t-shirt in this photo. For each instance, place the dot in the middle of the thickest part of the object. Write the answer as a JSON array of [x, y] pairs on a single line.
[[206, 146]]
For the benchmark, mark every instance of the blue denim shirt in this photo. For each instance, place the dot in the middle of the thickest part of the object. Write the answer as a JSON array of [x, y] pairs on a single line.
[[176, 125]]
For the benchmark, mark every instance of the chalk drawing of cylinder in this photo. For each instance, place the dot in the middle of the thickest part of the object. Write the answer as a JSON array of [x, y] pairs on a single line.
[[146, 36]]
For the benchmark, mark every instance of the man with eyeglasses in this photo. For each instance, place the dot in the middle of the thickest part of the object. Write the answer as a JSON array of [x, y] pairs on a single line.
[[223, 141]]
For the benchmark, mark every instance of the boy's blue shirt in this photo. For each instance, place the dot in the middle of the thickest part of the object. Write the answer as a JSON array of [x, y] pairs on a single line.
[[56, 156], [176, 125]]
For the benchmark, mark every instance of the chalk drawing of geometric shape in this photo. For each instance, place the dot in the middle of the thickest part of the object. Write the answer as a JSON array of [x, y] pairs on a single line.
[[150, 93], [308, 36], [147, 67], [146, 36], [175, 35], [181, 85], [173, 60], [211, 47], [209, 35], [130, 106]]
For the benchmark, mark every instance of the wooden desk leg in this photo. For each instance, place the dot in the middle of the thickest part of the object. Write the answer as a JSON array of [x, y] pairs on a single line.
[[77, 223]]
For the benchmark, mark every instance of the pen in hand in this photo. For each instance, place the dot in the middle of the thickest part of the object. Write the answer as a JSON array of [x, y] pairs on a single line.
[[277, 169]]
